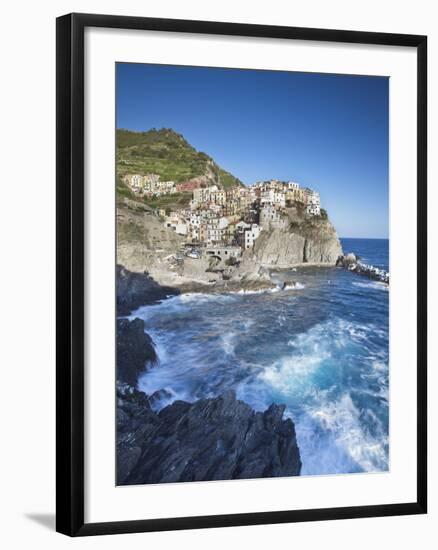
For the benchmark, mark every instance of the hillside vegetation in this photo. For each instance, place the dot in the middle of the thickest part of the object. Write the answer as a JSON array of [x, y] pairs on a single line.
[[168, 154]]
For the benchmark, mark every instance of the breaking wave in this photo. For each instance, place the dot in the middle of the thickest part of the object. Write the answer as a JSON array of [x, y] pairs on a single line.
[[371, 284]]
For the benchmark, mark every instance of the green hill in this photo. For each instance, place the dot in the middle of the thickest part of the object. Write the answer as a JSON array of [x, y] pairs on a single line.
[[168, 154]]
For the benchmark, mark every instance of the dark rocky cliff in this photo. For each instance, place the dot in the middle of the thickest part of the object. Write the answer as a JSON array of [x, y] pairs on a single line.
[[211, 439], [138, 289], [135, 350]]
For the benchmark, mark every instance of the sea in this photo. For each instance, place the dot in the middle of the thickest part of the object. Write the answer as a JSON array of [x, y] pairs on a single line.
[[320, 347]]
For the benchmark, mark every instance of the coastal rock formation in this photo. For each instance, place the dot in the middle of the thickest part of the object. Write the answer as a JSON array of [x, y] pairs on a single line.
[[135, 350], [353, 264], [144, 244], [138, 289], [305, 240], [160, 177], [142, 240], [134, 417], [211, 439], [146, 256]]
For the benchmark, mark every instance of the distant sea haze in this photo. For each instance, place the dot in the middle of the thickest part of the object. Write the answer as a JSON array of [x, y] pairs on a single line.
[[320, 348]]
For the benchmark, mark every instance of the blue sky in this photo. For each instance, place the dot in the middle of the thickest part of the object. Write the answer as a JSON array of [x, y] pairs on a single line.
[[328, 132]]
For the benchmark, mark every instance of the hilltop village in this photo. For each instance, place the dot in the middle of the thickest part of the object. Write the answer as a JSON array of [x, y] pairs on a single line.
[[228, 220], [186, 223]]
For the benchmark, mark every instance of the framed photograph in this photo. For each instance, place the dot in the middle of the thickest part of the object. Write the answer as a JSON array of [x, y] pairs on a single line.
[[241, 274]]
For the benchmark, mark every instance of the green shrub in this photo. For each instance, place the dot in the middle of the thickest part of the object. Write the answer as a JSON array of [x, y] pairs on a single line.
[[166, 153]]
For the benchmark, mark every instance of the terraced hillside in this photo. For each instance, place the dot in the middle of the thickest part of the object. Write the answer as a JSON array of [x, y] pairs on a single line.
[[168, 154]]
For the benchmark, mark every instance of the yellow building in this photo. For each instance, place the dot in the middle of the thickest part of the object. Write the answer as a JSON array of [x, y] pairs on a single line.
[[219, 197], [296, 195]]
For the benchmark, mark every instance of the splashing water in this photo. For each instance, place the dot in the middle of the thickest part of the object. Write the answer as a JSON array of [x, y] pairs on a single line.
[[319, 347]]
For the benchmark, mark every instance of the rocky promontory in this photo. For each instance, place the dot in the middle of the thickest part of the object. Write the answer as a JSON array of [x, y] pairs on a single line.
[[304, 240], [210, 439], [353, 263], [152, 264]]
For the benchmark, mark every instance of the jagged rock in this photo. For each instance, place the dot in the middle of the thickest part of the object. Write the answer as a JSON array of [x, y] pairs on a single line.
[[159, 396], [211, 439], [135, 420], [138, 289], [348, 259], [135, 350], [352, 262]]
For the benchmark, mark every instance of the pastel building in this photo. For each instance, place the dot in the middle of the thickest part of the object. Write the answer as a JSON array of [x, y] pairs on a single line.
[[271, 218], [247, 233], [313, 202]]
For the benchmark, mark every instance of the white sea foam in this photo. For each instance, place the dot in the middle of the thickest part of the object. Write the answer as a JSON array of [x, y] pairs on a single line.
[[295, 286], [371, 284], [330, 428], [201, 297], [178, 302], [273, 290], [289, 373], [379, 366], [228, 342], [281, 319], [311, 351], [347, 446], [246, 292]]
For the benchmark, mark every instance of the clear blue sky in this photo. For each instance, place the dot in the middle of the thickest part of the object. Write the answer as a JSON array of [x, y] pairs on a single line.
[[328, 132]]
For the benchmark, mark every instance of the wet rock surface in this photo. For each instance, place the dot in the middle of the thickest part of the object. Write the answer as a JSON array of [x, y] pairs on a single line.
[[135, 350], [355, 265], [211, 439]]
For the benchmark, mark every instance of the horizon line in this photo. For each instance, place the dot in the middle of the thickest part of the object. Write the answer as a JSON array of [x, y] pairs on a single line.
[[368, 238]]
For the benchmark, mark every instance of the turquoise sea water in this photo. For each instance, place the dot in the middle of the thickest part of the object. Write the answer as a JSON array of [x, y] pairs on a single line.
[[321, 349]]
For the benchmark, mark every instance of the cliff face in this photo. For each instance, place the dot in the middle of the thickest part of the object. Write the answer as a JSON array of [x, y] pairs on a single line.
[[304, 240], [142, 239]]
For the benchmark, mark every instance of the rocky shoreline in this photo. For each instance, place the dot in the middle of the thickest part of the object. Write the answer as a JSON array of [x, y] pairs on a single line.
[[217, 438], [152, 263], [352, 263], [136, 289], [140, 289], [209, 439]]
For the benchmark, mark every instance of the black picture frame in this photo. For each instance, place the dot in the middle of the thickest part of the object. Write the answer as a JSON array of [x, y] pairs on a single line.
[[70, 273]]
